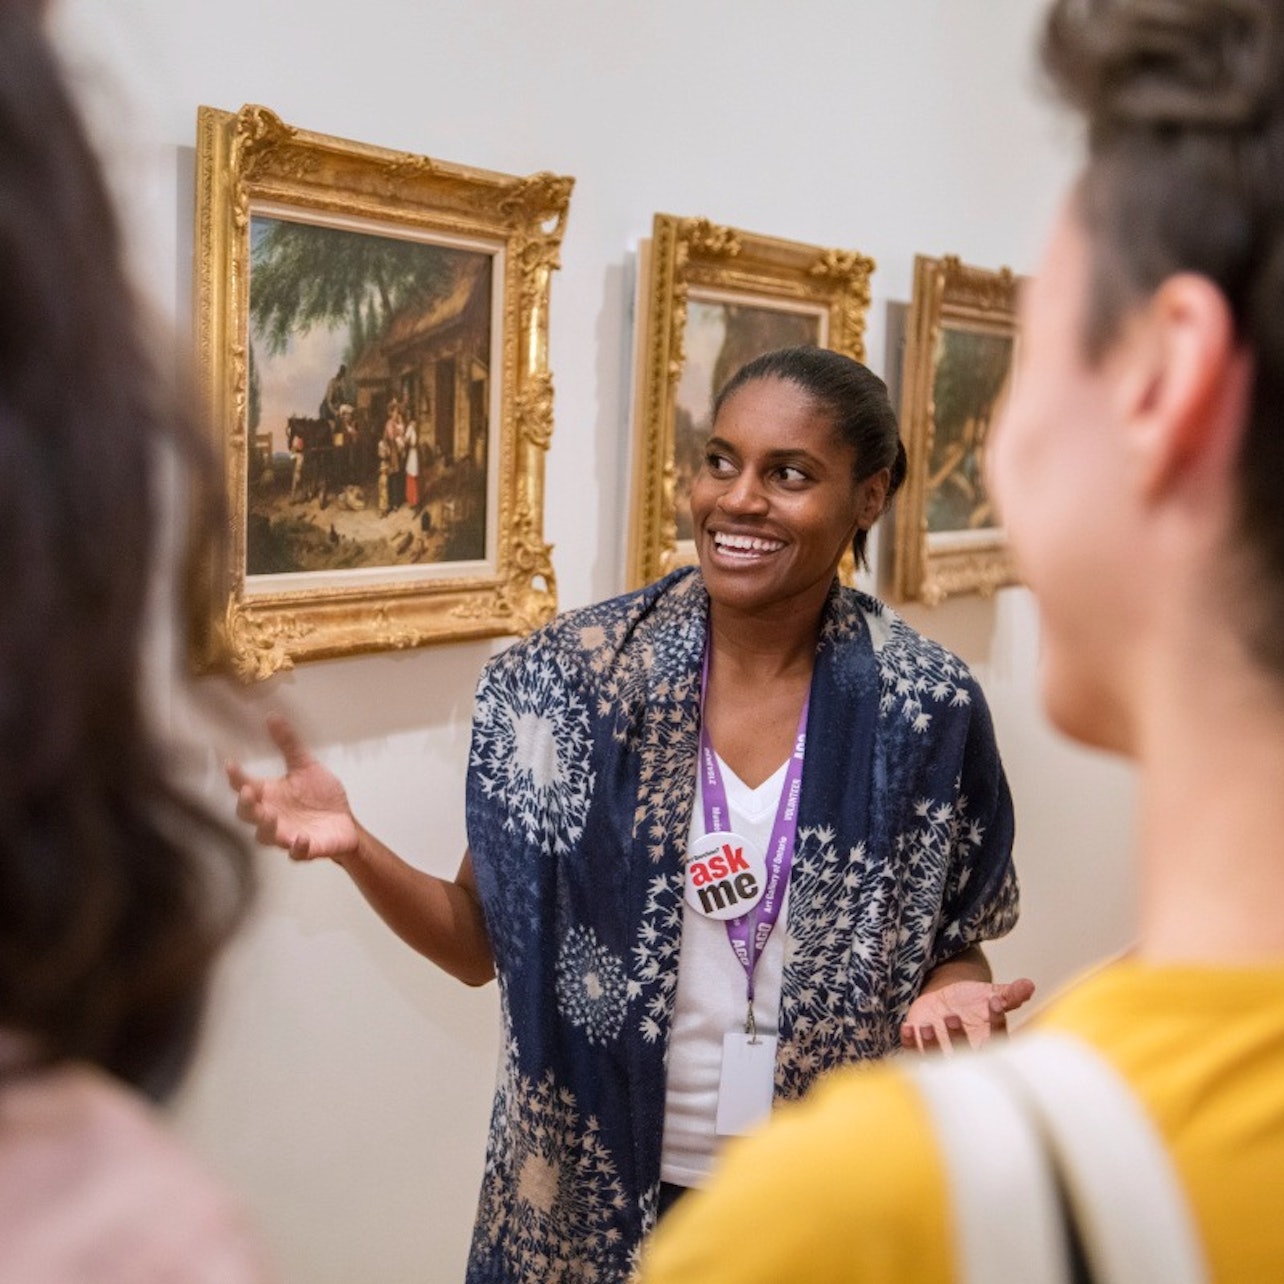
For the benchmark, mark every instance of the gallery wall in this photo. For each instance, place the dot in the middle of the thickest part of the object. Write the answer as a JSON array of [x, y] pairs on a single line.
[[344, 1087]]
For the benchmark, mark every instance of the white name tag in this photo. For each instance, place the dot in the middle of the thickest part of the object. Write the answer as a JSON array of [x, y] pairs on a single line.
[[744, 1091]]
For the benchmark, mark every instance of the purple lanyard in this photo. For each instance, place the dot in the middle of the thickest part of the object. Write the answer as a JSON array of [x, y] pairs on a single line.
[[749, 933]]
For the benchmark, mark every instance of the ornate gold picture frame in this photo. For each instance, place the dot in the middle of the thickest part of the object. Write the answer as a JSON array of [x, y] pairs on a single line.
[[709, 299], [960, 350], [372, 332]]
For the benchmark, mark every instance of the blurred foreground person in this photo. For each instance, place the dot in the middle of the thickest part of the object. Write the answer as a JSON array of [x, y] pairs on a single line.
[[116, 890], [1139, 466]]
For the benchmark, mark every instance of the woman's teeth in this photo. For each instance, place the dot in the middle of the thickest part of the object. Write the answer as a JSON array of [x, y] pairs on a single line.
[[742, 545]]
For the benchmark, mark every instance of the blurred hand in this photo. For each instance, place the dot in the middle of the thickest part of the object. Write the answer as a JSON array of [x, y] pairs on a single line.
[[962, 1014]]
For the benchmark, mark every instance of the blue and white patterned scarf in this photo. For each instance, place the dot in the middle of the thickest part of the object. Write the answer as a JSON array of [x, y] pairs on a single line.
[[580, 789]]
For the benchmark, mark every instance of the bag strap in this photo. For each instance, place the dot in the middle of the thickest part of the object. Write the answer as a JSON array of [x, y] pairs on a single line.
[[1043, 1120], [1127, 1203], [1007, 1216]]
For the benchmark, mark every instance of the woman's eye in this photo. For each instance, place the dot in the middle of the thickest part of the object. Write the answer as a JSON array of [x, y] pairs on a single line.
[[790, 474], [717, 463]]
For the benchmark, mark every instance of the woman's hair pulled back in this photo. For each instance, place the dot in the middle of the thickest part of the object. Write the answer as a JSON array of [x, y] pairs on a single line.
[[1184, 105]]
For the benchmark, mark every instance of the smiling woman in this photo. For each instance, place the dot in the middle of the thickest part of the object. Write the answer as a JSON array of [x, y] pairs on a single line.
[[658, 783], [803, 458], [793, 477]]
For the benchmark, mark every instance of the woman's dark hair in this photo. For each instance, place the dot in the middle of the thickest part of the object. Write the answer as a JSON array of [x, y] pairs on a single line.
[[854, 398], [1184, 103], [116, 887]]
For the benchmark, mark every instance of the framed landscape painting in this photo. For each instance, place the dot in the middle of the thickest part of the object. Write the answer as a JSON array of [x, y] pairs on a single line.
[[960, 351], [709, 299], [372, 334]]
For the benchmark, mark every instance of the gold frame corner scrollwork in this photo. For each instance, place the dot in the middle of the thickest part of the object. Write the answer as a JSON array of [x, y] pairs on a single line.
[[686, 254], [252, 157], [930, 566]]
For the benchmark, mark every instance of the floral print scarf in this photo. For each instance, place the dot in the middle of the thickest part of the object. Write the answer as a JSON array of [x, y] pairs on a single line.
[[580, 789]]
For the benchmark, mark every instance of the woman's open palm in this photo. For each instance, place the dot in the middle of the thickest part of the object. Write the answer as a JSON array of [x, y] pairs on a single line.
[[962, 1013], [305, 811]]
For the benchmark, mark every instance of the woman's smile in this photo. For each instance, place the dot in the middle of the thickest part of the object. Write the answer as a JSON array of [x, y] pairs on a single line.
[[744, 548]]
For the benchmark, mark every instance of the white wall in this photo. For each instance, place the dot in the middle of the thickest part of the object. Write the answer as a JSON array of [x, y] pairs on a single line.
[[344, 1087]]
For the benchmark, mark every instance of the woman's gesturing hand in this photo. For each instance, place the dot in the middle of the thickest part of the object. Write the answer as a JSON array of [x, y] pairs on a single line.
[[962, 1013], [305, 811]]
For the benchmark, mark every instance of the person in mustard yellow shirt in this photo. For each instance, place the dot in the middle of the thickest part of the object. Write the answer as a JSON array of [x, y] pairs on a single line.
[[1138, 466]]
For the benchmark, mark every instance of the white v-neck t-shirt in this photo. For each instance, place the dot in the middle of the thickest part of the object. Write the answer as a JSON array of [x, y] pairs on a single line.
[[711, 999]]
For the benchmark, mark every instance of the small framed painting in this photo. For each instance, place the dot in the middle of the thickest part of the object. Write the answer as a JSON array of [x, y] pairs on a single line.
[[960, 350], [711, 298], [373, 346]]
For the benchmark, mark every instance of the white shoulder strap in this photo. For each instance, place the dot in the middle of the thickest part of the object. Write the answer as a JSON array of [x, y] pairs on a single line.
[[1007, 1216], [1128, 1205], [1084, 1127]]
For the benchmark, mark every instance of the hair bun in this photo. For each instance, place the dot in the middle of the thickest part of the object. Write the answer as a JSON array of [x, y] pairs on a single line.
[[1152, 64]]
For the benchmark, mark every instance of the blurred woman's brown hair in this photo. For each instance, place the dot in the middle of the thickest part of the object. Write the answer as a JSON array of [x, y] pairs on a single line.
[[117, 887]]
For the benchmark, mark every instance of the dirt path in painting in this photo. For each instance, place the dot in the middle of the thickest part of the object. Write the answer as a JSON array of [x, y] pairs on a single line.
[[287, 535]]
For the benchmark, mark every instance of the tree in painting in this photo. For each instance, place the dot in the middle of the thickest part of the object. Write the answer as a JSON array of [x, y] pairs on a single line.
[[306, 276]]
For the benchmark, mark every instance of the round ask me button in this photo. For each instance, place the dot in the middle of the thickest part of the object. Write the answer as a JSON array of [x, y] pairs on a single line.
[[726, 875]]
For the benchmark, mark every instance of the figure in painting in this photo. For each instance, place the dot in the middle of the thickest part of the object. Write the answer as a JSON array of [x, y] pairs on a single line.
[[392, 460], [336, 396], [969, 383], [412, 464]]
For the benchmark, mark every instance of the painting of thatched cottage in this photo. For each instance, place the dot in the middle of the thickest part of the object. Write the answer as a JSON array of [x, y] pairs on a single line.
[[369, 399]]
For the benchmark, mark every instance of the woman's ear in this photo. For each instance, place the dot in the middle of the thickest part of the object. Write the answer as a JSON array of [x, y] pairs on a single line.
[[871, 498], [1185, 385]]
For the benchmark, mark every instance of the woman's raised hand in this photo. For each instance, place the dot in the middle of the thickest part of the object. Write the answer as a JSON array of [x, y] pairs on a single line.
[[305, 811]]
